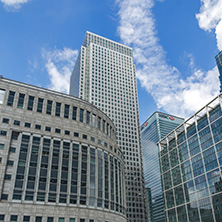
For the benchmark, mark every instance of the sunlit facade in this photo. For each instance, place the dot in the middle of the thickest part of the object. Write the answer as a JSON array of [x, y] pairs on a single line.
[[157, 126], [104, 75], [58, 158], [191, 167], [219, 65]]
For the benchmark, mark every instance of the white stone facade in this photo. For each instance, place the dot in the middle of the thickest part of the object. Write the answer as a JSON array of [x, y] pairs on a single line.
[[58, 158]]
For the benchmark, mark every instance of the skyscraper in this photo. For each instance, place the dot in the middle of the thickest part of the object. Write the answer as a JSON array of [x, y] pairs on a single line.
[[104, 74], [219, 65], [157, 126], [190, 163]]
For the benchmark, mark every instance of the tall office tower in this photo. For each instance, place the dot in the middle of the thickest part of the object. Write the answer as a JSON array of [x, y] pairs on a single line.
[[104, 74], [157, 126], [58, 158], [191, 167], [219, 65]]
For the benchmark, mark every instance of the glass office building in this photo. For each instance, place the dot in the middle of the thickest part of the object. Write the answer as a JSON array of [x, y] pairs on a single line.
[[157, 126], [58, 158], [191, 167], [104, 75], [219, 65]]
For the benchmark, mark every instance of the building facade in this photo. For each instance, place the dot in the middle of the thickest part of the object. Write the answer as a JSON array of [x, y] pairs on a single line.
[[191, 167], [104, 75], [58, 158], [219, 65], [157, 126]]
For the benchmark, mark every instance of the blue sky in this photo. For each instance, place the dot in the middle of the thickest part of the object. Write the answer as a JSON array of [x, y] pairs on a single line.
[[174, 43]]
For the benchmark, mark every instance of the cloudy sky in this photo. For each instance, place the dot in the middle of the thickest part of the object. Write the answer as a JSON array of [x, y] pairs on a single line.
[[174, 43]]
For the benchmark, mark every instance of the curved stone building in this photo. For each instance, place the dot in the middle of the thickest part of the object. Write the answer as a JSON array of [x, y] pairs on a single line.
[[58, 158]]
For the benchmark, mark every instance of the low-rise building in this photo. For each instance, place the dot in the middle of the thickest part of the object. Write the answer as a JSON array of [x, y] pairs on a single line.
[[58, 158]]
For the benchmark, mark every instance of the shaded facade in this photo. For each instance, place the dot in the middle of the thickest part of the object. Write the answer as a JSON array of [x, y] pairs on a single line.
[[219, 65], [104, 75], [157, 126], [190, 163], [58, 158]]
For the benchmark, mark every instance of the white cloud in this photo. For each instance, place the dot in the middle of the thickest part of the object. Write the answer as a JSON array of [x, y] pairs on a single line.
[[210, 17], [59, 65], [218, 32], [170, 91], [13, 4]]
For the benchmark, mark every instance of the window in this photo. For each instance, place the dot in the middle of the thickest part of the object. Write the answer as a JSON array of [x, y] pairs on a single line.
[[84, 136], [92, 139], [2, 146], [21, 100], [15, 135], [14, 218], [94, 120], [61, 219], [67, 132], [40, 105], [2, 217], [30, 103], [104, 126], [72, 219], [8, 176], [76, 134], [12, 149], [57, 130], [10, 163], [16, 122], [87, 117], [2, 95], [28, 125], [38, 219], [4, 196], [26, 218], [5, 120], [49, 107], [50, 219], [3, 132], [81, 115], [99, 122], [66, 111], [48, 128], [74, 113], [82, 220], [38, 127], [0, 159], [11, 97], [58, 109], [107, 129]]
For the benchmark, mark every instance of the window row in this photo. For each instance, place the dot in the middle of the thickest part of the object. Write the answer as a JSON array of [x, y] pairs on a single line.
[[48, 219], [202, 129], [57, 171], [58, 109]]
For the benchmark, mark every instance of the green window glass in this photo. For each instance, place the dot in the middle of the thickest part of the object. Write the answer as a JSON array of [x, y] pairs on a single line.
[[30, 103], [74, 113], [87, 117], [66, 111], [58, 109], [11, 98], [21, 100], [81, 115], [49, 107]]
